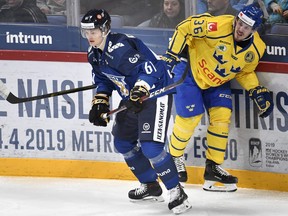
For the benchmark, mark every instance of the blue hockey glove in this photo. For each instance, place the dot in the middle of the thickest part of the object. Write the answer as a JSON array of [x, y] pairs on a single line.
[[100, 105], [262, 98], [135, 102], [171, 60]]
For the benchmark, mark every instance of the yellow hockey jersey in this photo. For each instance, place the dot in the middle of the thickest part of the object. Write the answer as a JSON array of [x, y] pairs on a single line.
[[214, 56]]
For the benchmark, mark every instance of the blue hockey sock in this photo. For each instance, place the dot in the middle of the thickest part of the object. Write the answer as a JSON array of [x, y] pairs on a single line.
[[166, 169], [140, 166]]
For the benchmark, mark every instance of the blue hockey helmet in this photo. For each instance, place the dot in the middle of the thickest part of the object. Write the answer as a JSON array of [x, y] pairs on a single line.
[[252, 15]]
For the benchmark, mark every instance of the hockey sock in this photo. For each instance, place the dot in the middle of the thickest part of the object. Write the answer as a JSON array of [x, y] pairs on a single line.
[[140, 166], [182, 131], [166, 169], [217, 134], [136, 161]]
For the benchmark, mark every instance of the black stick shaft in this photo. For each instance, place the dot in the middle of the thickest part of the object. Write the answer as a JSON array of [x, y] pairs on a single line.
[[154, 93], [11, 98]]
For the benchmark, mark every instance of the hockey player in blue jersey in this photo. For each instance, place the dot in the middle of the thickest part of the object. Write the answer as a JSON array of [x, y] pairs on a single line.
[[123, 63]]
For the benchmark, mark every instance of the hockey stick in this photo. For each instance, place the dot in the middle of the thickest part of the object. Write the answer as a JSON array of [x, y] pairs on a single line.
[[11, 98], [153, 93]]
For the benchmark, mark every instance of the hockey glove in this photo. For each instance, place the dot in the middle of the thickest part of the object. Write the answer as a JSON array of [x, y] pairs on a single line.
[[100, 105], [262, 98], [136, 95], [171, 61]]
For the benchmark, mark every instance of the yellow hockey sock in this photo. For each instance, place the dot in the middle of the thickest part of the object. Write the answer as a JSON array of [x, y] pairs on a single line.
[[182, 131], [217, 134]]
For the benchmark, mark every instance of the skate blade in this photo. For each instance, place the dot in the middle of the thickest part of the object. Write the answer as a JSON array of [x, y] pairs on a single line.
[[185, 206], [210, 186], [149, 199], [183, 184]]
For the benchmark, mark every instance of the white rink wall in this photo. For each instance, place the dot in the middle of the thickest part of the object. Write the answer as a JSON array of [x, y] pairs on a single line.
[[58, 128]]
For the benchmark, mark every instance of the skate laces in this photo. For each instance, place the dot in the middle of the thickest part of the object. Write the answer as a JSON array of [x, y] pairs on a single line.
[[221, 171], [179, 162], [141, 190]]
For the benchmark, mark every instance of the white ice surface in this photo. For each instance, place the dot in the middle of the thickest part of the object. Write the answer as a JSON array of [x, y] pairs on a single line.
[[26, 196]]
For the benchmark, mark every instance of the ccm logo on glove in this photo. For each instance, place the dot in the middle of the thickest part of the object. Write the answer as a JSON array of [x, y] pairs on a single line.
[[100, 106], [135, 103]]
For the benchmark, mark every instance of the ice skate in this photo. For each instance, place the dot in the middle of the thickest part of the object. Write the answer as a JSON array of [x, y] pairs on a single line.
[[215, 174], [181, 169], [178, 202], [149, 191]]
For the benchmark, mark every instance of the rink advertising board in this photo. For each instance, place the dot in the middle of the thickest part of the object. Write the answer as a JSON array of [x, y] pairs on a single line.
[[53, 137], [68, 39]]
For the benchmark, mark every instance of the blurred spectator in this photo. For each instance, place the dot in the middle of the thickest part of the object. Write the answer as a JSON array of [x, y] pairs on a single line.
[[201, 6], [238, 4], [220, 7], [2, 2], [170, 16], [133, 12], [55, 7], [278, 11], [22, 11]]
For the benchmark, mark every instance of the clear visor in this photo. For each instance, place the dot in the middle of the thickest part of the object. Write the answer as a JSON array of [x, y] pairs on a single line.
[[86, 28], [86, 32], [89, 29]]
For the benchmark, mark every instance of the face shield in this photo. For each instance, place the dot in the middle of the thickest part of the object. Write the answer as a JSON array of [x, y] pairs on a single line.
[[90, 28], [87, 28]]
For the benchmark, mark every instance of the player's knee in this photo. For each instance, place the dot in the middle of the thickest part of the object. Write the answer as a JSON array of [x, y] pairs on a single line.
[[152, 149], [124, 146], [220, 116], [187, 124]]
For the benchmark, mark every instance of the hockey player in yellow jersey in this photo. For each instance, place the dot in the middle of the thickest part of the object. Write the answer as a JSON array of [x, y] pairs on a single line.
[[219, 49]]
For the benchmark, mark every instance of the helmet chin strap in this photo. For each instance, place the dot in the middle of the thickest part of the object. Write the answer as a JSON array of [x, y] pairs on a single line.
[[247, 38]]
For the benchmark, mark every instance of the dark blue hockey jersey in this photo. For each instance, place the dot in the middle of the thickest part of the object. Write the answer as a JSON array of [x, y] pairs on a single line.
[[125, 60]]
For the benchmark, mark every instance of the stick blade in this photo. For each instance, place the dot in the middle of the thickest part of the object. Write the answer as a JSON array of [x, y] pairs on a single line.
[[11, 98]]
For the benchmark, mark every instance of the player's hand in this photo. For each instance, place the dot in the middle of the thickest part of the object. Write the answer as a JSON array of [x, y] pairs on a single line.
[[170, 60], [100, 105], [262, 98], [135, 103]]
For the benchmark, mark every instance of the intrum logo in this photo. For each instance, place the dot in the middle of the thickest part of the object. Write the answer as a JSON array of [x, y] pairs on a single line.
[[276, 50], [21, 38]]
